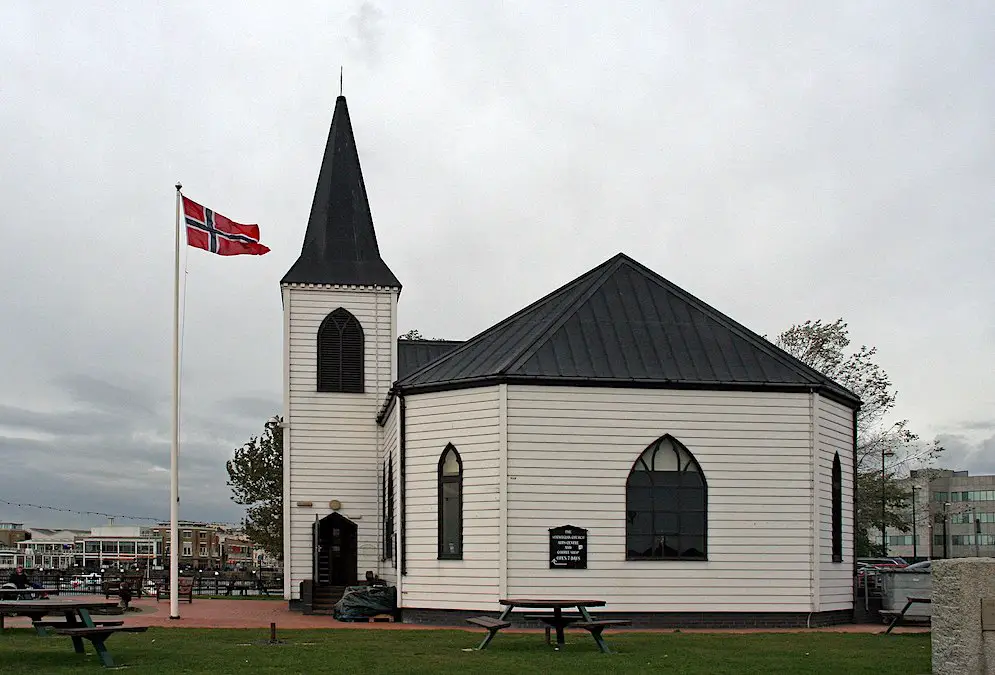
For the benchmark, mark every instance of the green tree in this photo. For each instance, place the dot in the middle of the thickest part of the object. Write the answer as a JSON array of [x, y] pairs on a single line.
[[255, 475], [826, 347], [413, 334]]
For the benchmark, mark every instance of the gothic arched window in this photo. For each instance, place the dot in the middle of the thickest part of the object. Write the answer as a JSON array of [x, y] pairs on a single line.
[[837, 509], [340, 353], [666, 501], [450, 504]]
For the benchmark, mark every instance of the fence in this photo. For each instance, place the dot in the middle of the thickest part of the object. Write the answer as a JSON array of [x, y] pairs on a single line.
[[205, 583]]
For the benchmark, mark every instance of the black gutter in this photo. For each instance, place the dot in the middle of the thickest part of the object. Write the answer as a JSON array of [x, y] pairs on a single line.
[[490, 380], [403, 492]]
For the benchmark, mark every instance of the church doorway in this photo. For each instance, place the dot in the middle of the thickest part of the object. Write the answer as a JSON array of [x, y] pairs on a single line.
[[335, 548]]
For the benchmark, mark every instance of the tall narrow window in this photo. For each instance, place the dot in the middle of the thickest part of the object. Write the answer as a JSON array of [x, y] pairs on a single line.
[[388, 508], [340, 353], [450, 505], [837, 510], [666, 505]]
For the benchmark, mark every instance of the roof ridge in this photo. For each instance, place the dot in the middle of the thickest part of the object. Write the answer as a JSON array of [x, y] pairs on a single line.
[[468, 343], [759, 341], [610, 266]]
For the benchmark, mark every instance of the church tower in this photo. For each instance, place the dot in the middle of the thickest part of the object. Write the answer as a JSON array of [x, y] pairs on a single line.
[[340, 338]]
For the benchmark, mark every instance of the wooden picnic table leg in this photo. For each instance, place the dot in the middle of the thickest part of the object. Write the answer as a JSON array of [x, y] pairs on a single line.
[[558, 618], [491, 632], [77, 641], [596, 634], [98, 645], [37, 617], [898, 617]]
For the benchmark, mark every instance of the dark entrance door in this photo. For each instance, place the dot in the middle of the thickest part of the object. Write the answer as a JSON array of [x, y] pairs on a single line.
[[335, 551]]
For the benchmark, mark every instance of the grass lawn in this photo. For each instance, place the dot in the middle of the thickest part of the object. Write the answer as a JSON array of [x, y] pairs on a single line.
[[217, 651]]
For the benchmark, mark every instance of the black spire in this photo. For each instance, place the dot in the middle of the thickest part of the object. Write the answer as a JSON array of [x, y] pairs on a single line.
[[340, 245]]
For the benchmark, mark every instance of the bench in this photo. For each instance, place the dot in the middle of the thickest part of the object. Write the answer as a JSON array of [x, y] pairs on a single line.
[[66, 624], [184, 589], [98, 636], [596, 627], [113, 586], [899, 615], [491, 624]]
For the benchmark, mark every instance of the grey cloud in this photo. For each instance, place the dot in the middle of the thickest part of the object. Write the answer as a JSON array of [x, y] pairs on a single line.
[[962, 452], [368, 32]]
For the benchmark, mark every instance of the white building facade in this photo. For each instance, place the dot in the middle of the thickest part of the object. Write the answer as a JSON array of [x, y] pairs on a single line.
[[702, 475]]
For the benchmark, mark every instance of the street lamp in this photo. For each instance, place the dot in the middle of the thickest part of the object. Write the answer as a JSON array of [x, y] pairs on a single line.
[[884, 537], [915, 524]]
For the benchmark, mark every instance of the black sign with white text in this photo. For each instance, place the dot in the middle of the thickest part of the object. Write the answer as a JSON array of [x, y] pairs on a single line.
[[568, 548]]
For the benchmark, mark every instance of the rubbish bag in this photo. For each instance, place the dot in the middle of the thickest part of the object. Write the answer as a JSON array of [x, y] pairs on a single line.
[[359, 603]]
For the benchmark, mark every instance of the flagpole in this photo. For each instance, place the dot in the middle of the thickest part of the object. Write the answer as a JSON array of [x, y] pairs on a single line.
[[174, 482]]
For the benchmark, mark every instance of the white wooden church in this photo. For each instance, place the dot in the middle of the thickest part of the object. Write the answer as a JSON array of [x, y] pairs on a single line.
[[704, 476]]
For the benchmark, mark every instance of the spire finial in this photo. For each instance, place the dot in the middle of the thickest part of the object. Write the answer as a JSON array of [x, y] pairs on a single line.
[[340, 80]]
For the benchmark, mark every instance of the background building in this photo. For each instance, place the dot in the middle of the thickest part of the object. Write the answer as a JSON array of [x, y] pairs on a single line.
[[48, 548], [11, 533], [126, 546], [200, 544], [954, 516]]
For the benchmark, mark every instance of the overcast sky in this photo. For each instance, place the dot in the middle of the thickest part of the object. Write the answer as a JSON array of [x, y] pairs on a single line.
[[780, 160]]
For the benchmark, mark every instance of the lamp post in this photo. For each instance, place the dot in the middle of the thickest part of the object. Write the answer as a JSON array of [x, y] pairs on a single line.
[[915, 525], [884, 537]]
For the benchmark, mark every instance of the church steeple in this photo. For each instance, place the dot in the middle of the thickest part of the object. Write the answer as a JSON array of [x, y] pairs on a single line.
[[340, 245]]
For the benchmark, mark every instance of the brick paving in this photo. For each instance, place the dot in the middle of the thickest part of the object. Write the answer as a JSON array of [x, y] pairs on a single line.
[[203, 613]]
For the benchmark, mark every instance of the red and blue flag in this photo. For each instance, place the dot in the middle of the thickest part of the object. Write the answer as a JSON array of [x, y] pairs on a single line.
[[214, 232]]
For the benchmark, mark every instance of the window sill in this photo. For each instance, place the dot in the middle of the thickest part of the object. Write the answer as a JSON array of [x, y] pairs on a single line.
[[673, 559], [837, 560], [451, 556]]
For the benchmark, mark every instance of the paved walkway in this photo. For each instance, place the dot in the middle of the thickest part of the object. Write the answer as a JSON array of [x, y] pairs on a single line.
[[260, 613]]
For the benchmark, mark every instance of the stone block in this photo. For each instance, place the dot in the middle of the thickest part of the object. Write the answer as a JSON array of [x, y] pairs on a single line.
[[960, 587]]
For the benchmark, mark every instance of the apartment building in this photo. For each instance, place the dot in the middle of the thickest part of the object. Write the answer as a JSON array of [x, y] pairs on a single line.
[[200, 545]]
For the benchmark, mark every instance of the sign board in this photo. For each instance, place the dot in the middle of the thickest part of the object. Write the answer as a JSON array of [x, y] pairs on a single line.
[[568, 548], [988, 614]]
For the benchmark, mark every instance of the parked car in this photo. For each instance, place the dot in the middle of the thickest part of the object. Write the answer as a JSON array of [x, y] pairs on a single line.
[[883, 562], [86, 581], [924, 566]]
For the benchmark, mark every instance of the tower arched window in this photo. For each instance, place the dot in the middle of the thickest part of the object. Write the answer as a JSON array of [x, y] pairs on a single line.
[[340, 353], [666, 505], [450, 504], [837, 509]]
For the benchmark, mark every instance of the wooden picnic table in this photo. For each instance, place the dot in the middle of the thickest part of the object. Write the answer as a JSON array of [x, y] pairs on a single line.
[[78, 624], [557, 619], [76, 610]]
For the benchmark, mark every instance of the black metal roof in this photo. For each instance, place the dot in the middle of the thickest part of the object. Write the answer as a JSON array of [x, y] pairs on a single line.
[[340, 245], [413, 354], [621, 324]]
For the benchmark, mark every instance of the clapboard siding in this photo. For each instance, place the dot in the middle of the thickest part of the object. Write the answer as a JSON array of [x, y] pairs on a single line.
[[334, 439], [390, 453], [834, 433], [569, 455], [469, 420]]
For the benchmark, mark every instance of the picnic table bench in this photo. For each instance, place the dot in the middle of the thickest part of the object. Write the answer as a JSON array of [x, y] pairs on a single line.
[[899, 615], [556, 619], [97, 635], [78, 625]]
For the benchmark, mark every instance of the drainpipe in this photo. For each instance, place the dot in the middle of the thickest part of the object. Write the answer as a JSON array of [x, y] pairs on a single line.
[[402, 491]]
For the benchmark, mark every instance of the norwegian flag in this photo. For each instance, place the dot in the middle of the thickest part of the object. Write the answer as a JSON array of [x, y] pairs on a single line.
[[213, 232]]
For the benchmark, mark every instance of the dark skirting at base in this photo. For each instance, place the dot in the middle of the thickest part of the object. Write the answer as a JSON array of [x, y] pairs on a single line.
[[458, 617]]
